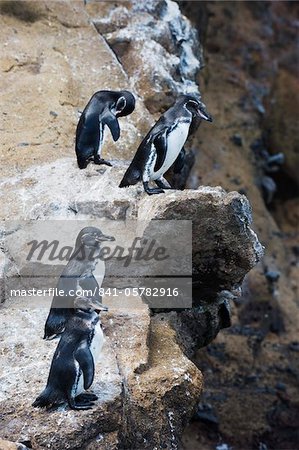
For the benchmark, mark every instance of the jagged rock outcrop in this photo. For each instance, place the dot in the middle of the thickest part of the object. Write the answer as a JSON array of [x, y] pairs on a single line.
[[47, 83], [224, 248], [146, 384], [142, 354], [156, 46], [8, 445]]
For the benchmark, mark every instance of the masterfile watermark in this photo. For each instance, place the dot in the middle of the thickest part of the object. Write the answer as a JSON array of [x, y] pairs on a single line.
[[50, 292], [95, 258], [140, 250]]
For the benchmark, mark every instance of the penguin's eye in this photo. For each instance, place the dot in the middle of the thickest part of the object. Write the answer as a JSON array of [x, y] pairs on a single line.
[[192, 105], [120, 105]]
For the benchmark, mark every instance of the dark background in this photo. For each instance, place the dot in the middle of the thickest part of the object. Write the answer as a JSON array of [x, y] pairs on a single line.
[[250, 84]]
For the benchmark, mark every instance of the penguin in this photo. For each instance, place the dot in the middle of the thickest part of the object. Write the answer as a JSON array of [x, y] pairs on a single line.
[[164, 145], [77, 275], [103, 108], [73, 364]]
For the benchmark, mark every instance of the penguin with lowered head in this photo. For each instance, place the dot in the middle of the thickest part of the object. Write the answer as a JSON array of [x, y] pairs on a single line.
[[103, 109]]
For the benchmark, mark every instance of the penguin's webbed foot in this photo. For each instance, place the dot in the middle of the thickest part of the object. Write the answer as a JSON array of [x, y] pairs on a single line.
[[86, 397], [102, 161], [162, 183], [82, 406], [151, 191], [73, 404]]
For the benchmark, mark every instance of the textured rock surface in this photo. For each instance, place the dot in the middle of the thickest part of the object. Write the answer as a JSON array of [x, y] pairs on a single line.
[[156, 46], [22, 346], [45, 85], [144, 367], [231, 248], [147, 386], [249, 83], [281, 124], [92, 191]]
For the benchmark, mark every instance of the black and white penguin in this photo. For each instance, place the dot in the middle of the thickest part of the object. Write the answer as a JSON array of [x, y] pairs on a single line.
[[73, 364], [163, 145], [77, 275], [103, 108]]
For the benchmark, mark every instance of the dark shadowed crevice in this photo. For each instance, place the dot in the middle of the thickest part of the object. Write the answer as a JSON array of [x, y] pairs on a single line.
[[22, 10]]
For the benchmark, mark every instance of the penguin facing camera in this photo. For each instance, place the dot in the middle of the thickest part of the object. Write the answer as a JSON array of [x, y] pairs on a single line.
[[163, 145], [77, 275], [73, 364], [103, 108]]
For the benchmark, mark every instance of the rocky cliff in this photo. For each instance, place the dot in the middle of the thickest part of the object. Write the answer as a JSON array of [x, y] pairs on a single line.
[[251, 85], [55, 56]]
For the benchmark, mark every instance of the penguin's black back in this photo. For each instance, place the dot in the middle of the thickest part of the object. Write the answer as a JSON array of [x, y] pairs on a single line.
[[87, 132]]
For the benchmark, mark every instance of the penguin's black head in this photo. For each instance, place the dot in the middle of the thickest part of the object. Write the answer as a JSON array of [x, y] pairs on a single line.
[[92, 237], [196, 107], [125, 104]]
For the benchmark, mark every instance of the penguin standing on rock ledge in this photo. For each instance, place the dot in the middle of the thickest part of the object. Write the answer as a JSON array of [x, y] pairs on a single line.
[[163, 145], [77, 275], [103, 108], [73, 364]]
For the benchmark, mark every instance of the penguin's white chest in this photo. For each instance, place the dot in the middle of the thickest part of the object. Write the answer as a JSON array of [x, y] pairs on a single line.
[[100, 272], [175, 142], [97, 342], [98, 269], [101, 138]]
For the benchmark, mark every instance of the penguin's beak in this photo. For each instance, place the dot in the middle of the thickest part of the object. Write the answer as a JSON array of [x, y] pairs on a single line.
[[103, 237], [203, 114], [87, 303], [98, 307]]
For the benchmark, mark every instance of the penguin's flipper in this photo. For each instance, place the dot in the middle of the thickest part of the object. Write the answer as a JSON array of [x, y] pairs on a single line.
[[83, 147], [109, 119], [84, 357], [79, 136], [160, 144], [180, 161]]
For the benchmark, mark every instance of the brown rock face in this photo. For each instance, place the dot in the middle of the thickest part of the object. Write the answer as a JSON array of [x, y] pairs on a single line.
[[142, 381], [55, 56], [250, 85], [212, 210], [146, 385], [282, 123], [46, 84]]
